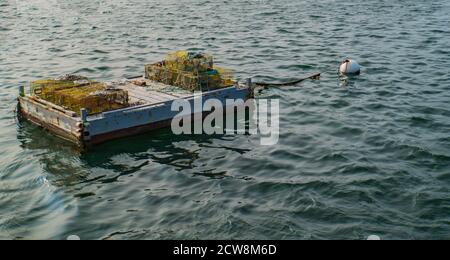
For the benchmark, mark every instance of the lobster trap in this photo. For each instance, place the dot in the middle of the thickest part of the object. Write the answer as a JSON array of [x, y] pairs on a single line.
[[190, 71], [74, 95]]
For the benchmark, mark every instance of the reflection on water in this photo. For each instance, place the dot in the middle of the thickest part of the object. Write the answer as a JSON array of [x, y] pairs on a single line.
[[73, 172], [66, 162]]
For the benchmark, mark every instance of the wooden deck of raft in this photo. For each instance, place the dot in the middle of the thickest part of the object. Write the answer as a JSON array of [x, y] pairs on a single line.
[[153, 93]]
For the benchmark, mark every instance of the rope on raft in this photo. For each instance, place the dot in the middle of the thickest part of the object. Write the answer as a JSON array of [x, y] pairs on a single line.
[[312, 76]]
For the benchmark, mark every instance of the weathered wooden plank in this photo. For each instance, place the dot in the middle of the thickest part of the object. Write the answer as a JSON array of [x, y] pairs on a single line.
[[142, 99], [53, 106], [170, 90], [144, 95], [51, 119], [158, 94]]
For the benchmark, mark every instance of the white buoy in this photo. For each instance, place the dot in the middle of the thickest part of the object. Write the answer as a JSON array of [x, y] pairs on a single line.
[[350, 67]]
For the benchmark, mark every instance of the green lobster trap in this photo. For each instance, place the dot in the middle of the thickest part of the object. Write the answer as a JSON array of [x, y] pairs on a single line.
[[74, 93], [190, 71]]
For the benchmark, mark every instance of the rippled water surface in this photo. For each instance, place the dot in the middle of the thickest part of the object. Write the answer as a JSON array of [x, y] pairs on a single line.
[[366, 155]]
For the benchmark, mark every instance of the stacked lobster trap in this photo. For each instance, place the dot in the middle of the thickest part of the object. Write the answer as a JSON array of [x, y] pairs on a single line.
[[74, 93], [190, 71]]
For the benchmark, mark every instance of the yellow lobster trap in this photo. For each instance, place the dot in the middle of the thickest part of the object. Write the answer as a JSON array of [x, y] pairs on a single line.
[[81, 93], [190, 71]]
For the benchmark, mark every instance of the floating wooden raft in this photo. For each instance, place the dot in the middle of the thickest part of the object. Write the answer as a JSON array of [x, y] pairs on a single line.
[[150, 108]]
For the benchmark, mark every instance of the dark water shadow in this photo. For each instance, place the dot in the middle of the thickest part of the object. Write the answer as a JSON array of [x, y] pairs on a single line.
[[69, 165]]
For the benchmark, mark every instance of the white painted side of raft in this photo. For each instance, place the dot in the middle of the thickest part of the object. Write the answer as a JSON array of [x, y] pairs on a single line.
[[116, 120]]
